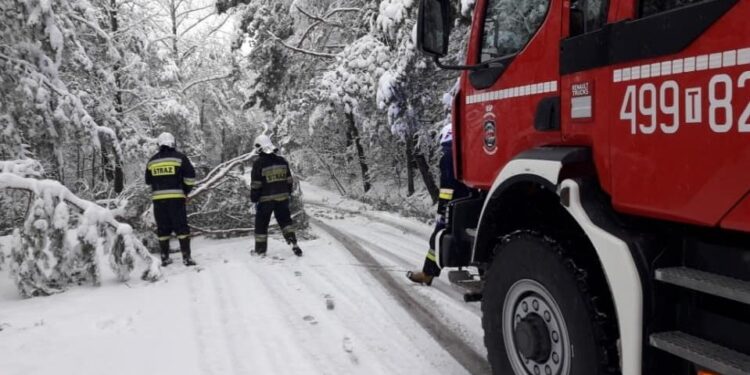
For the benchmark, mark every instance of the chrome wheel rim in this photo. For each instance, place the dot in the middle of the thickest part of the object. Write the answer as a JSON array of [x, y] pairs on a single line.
[[529, 307]]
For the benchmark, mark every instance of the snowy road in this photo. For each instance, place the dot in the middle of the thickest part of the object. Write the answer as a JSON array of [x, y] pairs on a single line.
[[344, 307]]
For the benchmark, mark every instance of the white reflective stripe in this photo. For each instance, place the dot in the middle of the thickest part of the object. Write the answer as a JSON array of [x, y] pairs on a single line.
[[513, 92], [623, 279], [665, 68], [438, 250]]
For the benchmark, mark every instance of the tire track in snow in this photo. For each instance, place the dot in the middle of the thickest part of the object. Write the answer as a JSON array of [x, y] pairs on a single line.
[[198, 329], [472, 361], [370, 216], [201, 292], [437, 284], [228, 310]]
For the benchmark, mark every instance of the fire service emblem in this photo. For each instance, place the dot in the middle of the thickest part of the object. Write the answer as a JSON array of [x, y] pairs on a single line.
[[490, 133]]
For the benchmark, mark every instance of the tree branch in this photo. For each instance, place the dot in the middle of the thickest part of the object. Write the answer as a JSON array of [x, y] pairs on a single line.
[[204, 80], [300, 50], [214, 177], [196, 23], [307, 32], [104, 216], [319, 20], [194, 10]]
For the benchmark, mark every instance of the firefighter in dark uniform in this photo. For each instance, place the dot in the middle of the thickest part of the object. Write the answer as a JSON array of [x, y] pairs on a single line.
[[450, 189], [271, 188], [171, 177]]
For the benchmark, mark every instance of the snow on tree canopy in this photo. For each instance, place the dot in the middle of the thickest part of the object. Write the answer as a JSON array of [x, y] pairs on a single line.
[[392, 14], [51, 251], [354, 76]]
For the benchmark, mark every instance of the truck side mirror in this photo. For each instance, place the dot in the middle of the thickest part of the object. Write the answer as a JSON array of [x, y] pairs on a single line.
[[433, 27]]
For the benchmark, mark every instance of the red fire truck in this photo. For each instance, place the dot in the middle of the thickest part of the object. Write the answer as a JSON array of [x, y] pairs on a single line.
[[609, 145]]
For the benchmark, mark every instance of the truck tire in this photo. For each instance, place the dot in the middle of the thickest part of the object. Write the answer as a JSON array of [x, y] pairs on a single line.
[[538, 313]]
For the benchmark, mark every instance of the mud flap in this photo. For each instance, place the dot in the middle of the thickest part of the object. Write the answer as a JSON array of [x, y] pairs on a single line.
[[449, 251], [454, 243]]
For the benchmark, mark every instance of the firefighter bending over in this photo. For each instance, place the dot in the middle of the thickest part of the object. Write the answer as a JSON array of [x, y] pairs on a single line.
[[271, 188], [450, 189], [171, 177]]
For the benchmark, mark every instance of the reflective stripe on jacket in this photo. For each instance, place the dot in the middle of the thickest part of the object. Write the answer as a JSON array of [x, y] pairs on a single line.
[[170, 174], [271, 179]]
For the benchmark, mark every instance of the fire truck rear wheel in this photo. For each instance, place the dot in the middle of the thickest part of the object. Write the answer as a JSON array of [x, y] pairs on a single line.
[[538, 313]]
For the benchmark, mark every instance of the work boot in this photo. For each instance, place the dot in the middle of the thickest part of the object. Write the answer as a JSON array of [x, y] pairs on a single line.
[[187, 260], [297, 250], [164, 249], [260, 248], [289, 236], [420, 277]]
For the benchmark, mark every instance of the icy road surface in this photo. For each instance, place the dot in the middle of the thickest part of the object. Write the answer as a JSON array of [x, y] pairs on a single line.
[[328, 312]]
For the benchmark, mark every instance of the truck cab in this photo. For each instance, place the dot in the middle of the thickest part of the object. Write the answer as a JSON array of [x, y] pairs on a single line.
[[608, 141]]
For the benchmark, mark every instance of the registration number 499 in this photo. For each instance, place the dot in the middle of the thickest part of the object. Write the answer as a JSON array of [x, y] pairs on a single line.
[[666, 107]]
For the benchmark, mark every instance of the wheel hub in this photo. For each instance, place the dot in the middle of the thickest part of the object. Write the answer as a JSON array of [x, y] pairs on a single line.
[[534, 331], [532, 339]]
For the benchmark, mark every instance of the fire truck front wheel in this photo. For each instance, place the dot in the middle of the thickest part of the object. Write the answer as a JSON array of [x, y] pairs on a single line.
[[538, 311]]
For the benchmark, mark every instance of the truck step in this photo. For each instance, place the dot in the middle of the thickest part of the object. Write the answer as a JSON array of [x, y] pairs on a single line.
[[703, 353], [706, 282], [459, 276]]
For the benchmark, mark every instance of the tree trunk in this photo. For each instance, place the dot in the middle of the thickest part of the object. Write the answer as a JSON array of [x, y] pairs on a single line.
[[173, 16], [354, 135], [409, 146], [115, 172], [427, 178], [223, 145], [93, 171]]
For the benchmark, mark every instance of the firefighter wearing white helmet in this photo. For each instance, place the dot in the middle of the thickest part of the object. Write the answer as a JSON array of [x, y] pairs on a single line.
[[171, 177], [271, 188], [450, 189]]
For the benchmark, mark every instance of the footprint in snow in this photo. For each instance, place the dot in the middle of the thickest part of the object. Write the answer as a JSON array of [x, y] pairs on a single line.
[[330, 304], [310, 319], [297, 273], [347, 344], [348, 347]]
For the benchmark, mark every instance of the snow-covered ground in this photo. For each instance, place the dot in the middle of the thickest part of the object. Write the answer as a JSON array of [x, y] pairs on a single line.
[[325, 313]]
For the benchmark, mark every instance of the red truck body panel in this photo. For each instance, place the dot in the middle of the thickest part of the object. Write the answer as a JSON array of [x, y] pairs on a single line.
[[669, 135]]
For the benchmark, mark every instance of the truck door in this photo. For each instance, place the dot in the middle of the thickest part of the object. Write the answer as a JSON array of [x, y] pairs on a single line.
[[518, 40], [584, 91]]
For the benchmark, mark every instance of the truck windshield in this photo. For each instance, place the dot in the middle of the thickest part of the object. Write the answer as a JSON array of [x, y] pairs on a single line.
[[509, 25]]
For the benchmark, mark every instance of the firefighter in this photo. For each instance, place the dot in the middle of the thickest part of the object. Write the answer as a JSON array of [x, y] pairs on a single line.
[[271, 188], [171, 177], [450, 189]]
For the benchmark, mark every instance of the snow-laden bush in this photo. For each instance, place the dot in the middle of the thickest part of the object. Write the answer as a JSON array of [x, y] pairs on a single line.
[[64, 240]]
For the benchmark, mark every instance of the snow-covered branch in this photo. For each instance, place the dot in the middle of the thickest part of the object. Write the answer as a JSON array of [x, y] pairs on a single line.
[[23, 168], [93, 220], [214, 177], [321, 20], [300, 50], [208, 79]]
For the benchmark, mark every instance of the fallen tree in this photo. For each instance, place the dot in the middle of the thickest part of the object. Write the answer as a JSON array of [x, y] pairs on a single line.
[[64, 239]]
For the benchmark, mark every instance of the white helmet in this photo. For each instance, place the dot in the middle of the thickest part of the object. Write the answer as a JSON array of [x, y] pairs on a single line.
[[263, 143], [446, 134], [165, 139]]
